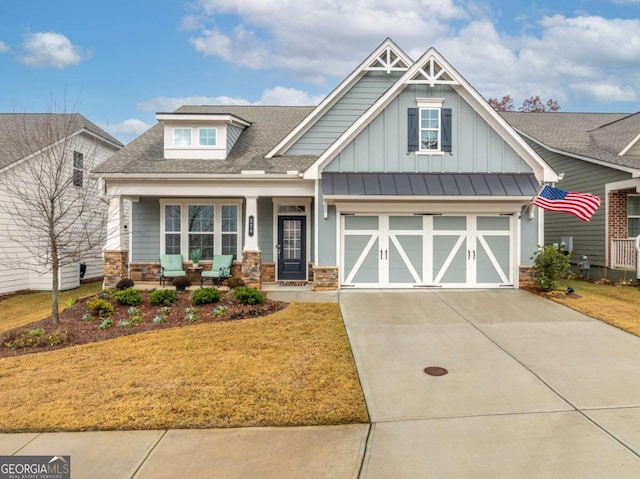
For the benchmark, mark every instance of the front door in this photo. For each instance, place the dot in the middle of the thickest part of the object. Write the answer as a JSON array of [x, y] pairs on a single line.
[[291, 248]]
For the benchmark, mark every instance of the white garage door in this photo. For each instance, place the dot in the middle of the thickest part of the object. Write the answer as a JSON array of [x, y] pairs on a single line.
[[453, 251]]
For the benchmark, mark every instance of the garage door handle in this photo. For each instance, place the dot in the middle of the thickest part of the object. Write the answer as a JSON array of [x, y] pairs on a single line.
[[380, 254], [385, 254], [468, 254], [474, 254]]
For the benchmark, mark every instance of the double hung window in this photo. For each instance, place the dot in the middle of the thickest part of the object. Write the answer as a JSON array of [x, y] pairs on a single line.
[[633, 215], [78, 169]]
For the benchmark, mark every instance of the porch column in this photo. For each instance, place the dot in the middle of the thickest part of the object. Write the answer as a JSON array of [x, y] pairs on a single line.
[[116, 257], [251, 255]]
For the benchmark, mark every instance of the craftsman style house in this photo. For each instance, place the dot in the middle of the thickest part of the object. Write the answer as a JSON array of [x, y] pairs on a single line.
[[403, 176]]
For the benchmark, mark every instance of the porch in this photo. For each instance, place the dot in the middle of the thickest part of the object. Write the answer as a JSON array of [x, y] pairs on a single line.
[[624, 253]]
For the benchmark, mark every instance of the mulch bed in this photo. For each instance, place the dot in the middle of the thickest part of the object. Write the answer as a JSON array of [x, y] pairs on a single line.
[[82, 332]]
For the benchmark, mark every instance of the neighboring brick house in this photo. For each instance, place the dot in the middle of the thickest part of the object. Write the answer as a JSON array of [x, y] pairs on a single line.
[[596, 153], [402, 177]]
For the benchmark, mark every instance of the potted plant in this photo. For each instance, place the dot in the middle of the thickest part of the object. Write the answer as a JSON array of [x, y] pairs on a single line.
[[196, 254]]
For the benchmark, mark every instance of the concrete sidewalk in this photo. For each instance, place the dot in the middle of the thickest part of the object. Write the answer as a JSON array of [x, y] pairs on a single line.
[[271, 453], [533, 389]]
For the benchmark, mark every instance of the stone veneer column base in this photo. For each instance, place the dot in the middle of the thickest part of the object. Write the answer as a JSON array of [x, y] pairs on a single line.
[[526, 276], [325, 278], [251, 269], [115, 267]]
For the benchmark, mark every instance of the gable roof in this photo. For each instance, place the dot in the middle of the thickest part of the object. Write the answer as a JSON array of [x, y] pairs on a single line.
[[268, 125], [387, 57], [58, 126], [597, 136], [432, 69]]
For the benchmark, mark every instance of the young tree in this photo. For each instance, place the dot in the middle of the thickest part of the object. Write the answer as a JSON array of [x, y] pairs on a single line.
[[506, 104], [56, 212]]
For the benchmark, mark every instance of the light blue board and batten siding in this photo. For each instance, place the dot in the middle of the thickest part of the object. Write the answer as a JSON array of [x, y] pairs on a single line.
[[342, 115], [382, 145], [145, 223], [233, 133]]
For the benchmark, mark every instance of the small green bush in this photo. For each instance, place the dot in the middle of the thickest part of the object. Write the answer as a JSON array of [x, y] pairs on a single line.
[[101, 307], [246, 295], [105, 324], [129, 297], [124, 283], [162, 297], [551, 265], [206, 296], [70, 302]]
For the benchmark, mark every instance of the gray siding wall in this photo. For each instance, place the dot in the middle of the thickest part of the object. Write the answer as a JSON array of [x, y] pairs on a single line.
[[382, 145], [145, 223], [589, 238], [528, 236], [327, 233], [346, 110], [233, 133], [265, 228]]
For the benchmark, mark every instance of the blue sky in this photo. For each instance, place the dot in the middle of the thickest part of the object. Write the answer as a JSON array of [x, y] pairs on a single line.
[[119, 62]]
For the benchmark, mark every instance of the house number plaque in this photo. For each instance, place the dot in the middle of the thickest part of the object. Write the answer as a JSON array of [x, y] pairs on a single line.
[[251, 222]]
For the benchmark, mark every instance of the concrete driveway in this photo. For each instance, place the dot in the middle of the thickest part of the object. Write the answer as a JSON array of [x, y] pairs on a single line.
[[533, 390]]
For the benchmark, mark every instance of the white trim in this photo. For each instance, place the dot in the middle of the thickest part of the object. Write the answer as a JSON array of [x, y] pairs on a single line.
[[217, 203], [209, 117], [543, 172], [335, 95], [462, 208], [630, 145]]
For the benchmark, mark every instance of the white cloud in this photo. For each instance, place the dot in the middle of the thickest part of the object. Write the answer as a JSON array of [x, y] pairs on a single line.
[[288, 96], [51, 50], [126, 130], [4, 48], [574, 60]]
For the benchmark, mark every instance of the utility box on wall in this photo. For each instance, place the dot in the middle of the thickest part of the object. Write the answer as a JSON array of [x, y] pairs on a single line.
[[566, 243]]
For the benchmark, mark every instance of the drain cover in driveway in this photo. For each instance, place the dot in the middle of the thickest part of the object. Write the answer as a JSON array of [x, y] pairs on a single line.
[[435, 371]]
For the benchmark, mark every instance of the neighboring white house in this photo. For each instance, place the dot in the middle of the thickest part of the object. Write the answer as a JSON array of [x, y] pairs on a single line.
[[86, 145]]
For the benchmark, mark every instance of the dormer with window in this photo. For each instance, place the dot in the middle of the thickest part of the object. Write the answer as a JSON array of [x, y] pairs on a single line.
[[200, 136]]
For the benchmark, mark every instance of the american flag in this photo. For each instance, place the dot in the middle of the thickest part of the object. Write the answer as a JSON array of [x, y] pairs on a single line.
[[582, 205]]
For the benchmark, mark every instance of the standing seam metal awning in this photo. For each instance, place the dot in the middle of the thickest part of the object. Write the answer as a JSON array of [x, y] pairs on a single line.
[[429, 184]]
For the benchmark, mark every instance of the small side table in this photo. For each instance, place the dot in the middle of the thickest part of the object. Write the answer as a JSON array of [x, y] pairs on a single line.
[[194, 274]]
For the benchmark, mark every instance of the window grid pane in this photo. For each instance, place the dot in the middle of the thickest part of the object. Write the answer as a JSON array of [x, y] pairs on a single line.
[[200, 218], [633, 205], [633, 227], [292, 236], [429, 128], [229, 218], [172, 243], [182, 136], [230, 244], [207, 136], [172, 218], [203, 242]]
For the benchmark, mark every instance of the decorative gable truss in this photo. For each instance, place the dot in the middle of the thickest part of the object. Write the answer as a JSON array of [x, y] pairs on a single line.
[[388, 60], [432, 69]]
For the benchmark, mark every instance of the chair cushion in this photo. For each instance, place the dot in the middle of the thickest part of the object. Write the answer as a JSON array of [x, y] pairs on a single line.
[[173, 273], [171, 262]]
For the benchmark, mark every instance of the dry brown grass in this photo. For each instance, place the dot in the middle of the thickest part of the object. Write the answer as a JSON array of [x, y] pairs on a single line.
[[26, 308], [291, 368], [615, 305]]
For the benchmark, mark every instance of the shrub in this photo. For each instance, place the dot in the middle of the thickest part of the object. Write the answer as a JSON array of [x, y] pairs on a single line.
[[246, 295], [162, 297], [58, 336], [206, 296], [181, 283], [31, 338], [551, 265], [234, 282], [105, 324], [124, 283], [191, 314], [70, 302], [129, 297], [101, 307], [220, 311]]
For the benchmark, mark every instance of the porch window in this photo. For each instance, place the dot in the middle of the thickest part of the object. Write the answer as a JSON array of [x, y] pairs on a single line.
[[200, 227], [633, 215], [78, 168], [229, 229], [172, 229], [212, 226]]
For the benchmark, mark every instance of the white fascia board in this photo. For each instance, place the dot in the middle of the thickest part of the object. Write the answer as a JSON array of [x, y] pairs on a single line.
[[189, 117], [635, 172], [194, 176], [630, 145], [541, 169], [334, 96], [622, 185], [432, 208]]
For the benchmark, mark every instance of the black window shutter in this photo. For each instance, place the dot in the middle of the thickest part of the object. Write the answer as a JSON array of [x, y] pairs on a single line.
[[413, 143], [446, 129]]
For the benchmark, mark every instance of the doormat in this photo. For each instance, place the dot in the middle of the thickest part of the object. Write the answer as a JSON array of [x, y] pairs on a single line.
[[292, 283]]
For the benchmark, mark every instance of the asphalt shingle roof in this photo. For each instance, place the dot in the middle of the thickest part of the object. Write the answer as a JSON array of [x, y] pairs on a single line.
[[57, 125], [601, 136], [269, 124]]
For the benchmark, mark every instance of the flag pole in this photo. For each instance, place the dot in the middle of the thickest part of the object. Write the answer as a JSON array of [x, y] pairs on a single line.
[[530, 205]]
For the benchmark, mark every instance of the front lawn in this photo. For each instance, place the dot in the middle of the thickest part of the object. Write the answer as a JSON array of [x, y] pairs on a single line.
[[290, 368], [615, 305]]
